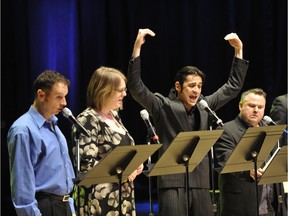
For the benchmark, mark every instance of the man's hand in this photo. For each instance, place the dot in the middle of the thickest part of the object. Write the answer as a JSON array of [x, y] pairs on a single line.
[[140, 40], [235, 42], [259, 173]]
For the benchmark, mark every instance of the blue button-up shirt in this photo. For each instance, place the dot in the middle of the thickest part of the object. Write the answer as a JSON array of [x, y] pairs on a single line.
[[39, 161]]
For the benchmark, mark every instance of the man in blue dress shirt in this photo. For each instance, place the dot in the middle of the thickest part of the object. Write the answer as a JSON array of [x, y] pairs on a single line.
[[41, 172]]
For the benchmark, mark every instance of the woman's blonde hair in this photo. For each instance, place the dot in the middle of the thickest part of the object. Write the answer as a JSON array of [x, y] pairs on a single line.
[[101, 85]]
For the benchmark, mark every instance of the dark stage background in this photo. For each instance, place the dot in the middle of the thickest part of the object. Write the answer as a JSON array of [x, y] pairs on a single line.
[[76, 37]]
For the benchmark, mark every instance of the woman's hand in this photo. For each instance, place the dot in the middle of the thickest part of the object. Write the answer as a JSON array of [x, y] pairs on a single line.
[[136, 172]]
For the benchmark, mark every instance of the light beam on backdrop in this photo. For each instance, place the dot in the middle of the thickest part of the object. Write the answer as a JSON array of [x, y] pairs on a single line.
[[53, 44]]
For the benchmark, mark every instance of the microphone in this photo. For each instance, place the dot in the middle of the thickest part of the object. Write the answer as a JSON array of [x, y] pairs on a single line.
[[145, 116], [204, 105], [68, 114], [268, 120]]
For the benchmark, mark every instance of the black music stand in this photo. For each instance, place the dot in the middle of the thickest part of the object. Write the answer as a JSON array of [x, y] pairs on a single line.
[[276, 171], [185, 152], [252, 150], [118, 165]]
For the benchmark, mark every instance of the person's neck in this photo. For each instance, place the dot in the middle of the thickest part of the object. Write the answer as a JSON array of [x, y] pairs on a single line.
[[106, 114], [108, 117], [41, 111]]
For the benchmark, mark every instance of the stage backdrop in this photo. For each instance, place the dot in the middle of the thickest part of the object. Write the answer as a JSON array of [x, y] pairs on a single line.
[[76, 37]]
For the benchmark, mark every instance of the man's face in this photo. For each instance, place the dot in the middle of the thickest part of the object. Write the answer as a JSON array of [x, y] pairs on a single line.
[[252, 109], [55, 101], [190, 92]]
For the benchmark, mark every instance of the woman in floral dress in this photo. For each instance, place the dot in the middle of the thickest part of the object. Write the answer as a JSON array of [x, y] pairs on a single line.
[[105, 93]]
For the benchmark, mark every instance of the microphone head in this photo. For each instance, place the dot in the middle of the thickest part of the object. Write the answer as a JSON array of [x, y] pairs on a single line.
[[144, 114], [203, 104], [268, 120], [66, 112]]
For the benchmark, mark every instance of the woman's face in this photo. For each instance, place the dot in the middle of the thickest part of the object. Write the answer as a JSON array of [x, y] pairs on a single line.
[[117, 95]]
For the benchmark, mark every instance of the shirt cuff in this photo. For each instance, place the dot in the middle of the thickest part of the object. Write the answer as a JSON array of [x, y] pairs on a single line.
[[133, 60]]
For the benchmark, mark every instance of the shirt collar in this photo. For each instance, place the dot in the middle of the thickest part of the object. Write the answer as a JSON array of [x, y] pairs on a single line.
[[39, 119], [189, 112], [261, 123]]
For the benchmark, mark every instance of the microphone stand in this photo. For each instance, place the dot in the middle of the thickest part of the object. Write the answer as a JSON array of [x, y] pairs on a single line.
[[77, 160], [212, 168], [149, 179]]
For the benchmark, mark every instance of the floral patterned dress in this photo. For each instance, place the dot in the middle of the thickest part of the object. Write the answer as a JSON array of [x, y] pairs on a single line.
[[101, 199]]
